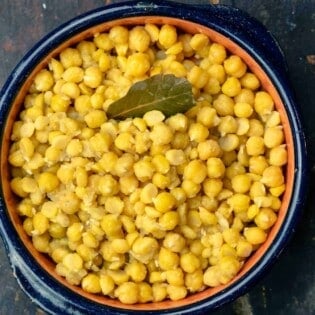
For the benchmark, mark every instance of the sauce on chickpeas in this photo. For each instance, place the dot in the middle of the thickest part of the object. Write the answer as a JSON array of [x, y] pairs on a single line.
[[147, 208]]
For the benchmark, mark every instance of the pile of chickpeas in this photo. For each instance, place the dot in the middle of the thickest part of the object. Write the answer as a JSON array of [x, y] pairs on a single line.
[[147, 208]]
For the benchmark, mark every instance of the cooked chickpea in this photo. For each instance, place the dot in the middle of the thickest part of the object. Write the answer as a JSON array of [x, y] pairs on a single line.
[[70, 89], [257, 164], [207, 116], [191, 188], [174, 242], [137, 64], [228, 124], [153, 117], [215, 167], [263, 103], [217, 53], [241, 183], [167, 259], [139, 39], [189, 262], [167, 36], [169, 220], [243, 110], [229, 142], [250, 81], [175, 277], [175, 157], [273, 137], [156, 207], [144, 248], [208, 148], [273, 176], [164, 202], [161, 134], [255, 146], [127, 293], [255, 235], [231, 87], [176, 292], [197, 77], [194, 281], [265, 218], [47, 182], [119, 34], [234, 66], [195, 171], [44, 81], [91, 283], [224, 105], [239, 202], [137, 271], [278, 156], [107, 284], [143, 170]]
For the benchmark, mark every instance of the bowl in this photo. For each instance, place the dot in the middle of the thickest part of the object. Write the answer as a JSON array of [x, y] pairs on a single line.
[[241, 35]]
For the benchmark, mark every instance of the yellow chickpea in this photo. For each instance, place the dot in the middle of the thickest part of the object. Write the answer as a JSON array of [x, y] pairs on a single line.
[[189, 262], [153, 31], [263, 103], [107, 284], [70, 57], [161, 134], [197, 132], [250, 81], [234, 66], [93, 77], [197, 77], [231, 87], [139, 39], [217, 53], [241, 183], [164, 202], [47, 182], [137, 271], [167, 36], [119, 34], [215, 167], [266, 218], [174, 242], [167, 259], [195, 171], [169, 220], [137, 64], [255, 146], [224, 105], [127, 293], [176, 292], [273, 176], [273, 137], [169, 205], [44, 81], [243, 110], [278, 156], [255, 235]]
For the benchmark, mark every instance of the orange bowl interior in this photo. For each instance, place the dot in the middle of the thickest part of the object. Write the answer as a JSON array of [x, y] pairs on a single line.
[[189, 27]]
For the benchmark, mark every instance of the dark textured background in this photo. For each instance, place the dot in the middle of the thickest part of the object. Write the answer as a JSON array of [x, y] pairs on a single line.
[[289, 288]]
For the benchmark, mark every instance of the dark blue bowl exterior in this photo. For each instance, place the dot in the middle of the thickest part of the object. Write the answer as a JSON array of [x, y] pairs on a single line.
[[234, 24]]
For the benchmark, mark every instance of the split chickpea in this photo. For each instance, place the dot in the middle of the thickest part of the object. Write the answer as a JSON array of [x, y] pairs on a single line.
[[147, 208]]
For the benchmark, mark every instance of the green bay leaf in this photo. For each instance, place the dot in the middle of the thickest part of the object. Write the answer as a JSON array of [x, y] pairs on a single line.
[[166, 93]]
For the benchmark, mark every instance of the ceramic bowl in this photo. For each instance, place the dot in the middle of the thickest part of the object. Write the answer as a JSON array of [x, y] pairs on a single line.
[[241, 35]]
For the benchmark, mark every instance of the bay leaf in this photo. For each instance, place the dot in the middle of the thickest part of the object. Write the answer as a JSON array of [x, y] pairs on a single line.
[[166, 93]]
